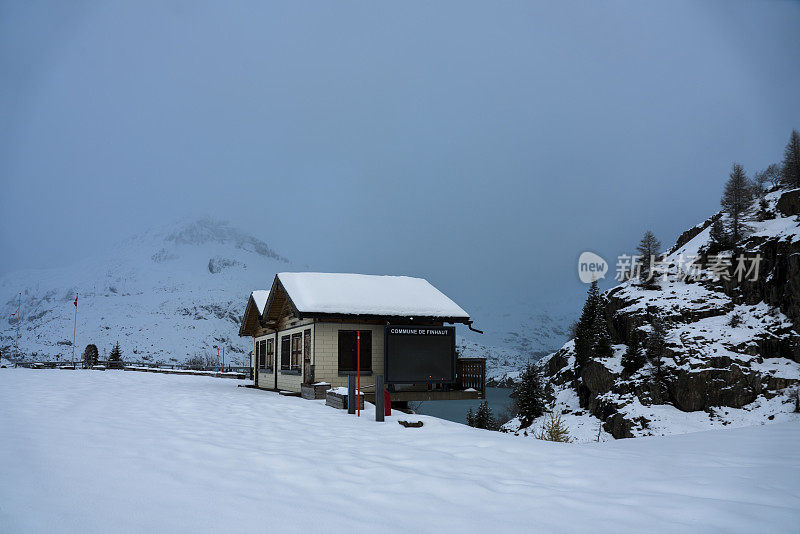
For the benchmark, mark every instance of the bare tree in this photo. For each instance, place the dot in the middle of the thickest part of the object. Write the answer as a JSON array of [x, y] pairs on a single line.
[[766, 178]]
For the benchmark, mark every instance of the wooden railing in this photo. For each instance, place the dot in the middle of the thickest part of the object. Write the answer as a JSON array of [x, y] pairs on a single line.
[[471, 373]]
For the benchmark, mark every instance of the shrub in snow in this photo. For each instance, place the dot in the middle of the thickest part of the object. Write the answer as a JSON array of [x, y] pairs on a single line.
[[554, 429], [529, 396], [735, 320], [90, 355]]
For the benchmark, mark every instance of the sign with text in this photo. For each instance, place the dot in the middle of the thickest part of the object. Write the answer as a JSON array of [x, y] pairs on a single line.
[[420, 354]]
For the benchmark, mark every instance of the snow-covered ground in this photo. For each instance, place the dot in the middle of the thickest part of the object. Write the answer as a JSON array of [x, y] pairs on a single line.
[[115, 451]]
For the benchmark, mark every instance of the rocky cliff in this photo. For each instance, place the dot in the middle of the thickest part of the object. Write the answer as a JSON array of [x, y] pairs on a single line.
[[733, 348]]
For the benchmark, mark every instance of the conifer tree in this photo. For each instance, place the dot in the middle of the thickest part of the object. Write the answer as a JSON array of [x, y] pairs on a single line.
[[719, 237], [484, 418], [790, 170], [529, 396], [656, 345], [649, 248], [736, 200], [584, 331], [470, 417], [115, 356], [633, 359], [601, 347]]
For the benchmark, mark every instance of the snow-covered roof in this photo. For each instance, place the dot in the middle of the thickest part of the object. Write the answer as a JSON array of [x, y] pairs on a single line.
[[362, 294], [260, 297]]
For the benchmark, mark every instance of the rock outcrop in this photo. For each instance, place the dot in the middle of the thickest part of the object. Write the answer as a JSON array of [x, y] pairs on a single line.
[[732, 346]]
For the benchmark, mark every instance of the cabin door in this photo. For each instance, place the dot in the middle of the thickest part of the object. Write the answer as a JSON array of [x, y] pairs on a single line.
[[308, 376]]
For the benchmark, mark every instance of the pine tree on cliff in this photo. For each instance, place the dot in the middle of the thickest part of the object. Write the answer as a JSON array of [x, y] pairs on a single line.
[[656, 345], [648, 249], [736, 200], [529, 396], [790, 170], [584, 331], [719, 237], [601, 336], [633, 359]]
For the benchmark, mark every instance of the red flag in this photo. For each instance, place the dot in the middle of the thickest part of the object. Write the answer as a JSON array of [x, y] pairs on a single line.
[[76, 300]]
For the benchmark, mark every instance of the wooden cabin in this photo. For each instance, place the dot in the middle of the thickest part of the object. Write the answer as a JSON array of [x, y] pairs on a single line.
[[311, 328]]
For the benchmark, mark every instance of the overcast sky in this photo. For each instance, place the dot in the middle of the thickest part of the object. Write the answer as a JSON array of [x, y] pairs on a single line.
[[484, 145]]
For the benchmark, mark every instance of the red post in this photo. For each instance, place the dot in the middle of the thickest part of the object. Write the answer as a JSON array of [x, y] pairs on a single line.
[[223, 359], [358, 372], [218, 359]]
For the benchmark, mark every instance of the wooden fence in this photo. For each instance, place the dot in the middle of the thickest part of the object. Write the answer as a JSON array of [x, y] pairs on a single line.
[[228, 371]]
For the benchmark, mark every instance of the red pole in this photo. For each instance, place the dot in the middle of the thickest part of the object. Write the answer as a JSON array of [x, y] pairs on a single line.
[[218, 359], [223, 359], [358, 372]]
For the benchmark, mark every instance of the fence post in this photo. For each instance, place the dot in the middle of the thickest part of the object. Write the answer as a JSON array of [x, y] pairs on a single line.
[[351, 394], [379, 398]]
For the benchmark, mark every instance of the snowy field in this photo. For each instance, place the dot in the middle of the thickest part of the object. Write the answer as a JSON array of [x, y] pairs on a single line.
[[114, 451]]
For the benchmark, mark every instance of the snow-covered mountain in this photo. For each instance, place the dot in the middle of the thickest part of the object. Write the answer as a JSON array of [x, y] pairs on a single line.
[[732, 355], [166, 295], [179, 291]]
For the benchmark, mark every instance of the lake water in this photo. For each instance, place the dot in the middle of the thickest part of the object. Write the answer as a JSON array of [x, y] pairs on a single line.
[[456, 410]]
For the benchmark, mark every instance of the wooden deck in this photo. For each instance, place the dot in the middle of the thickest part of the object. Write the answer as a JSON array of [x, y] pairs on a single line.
[[433, 395]]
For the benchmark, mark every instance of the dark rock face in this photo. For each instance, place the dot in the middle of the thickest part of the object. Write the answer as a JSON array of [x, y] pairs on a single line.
[[597, 378], [778, 283], [702, 389], [789, 203]]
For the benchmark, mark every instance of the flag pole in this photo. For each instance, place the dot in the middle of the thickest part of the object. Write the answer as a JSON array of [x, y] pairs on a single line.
[[74, 329], [19, 306], [358, 371]]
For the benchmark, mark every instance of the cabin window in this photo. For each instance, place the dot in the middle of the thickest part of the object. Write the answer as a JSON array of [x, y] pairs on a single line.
[[348, 347], [257, 360], [297, 350], [285, 350], [262, 354], [270, 353]]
